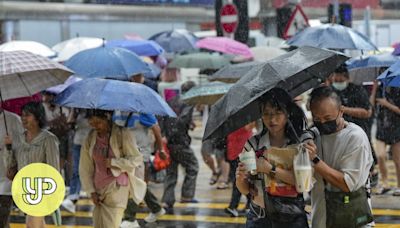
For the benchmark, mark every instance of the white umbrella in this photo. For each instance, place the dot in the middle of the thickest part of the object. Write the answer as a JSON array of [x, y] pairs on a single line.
[[264, 53], [68, 48], [273, 41], [31, 46]]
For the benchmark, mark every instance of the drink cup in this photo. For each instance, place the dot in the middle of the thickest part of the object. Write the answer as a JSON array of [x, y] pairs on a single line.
[[303, 176], [249, 160]]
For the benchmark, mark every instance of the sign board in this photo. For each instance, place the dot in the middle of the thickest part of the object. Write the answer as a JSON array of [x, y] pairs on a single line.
[[229, 18], [297, 22]]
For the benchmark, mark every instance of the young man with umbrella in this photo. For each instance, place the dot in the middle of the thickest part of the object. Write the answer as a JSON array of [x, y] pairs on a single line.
[[342, 159]]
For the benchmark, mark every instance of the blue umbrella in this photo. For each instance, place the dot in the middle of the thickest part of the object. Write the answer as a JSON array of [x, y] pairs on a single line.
[[104, 94], [372, 61], [139, 47], [391, 76], [107, 62], [176, 41], [332, 36], [154, 72]]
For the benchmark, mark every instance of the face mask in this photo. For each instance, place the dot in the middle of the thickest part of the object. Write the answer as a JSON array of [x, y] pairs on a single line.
[[340, 85], [327, 128]]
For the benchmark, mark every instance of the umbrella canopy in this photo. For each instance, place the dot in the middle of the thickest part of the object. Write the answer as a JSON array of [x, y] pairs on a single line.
[[139, 47], [332, 36], [154, 72], [225, 45], [206, 94], [107, 62], [366, 68], [176, 41], [59, 88], [200, 61], [391, 76], [232, 73], [104, 94], [68, 48], [372, 61], [23, 74], [31, 46], [264, 53], [296, 72]]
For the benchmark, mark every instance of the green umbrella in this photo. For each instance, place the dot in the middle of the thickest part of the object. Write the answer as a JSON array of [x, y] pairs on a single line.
[[206, 94], [200, 60]]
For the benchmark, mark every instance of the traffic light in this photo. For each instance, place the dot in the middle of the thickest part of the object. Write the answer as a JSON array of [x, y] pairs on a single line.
[[345, 14]]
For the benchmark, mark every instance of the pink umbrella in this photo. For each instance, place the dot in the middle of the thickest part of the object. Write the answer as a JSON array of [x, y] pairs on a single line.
[[225, 45]]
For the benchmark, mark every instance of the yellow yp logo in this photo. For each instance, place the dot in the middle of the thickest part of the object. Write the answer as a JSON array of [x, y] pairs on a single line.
[[38, 189]]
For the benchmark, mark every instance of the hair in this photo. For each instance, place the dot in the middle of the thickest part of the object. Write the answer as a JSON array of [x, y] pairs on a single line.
[[187, 86], [103, 114], [279, 99], [36, 109], [342, 69], [324, 92]]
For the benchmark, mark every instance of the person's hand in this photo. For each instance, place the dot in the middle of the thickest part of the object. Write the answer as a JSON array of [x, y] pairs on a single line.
[[164, 140], [382, 101], [163, 155], [311, 149], [95, 198], [241, 173], [263, 165]]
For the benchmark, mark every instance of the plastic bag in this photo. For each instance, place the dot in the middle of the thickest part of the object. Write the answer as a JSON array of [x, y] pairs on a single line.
[[303, 170]]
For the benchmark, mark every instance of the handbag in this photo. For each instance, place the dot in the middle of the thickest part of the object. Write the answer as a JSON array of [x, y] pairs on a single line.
[[347, 209], [283, 209], [160, 164]]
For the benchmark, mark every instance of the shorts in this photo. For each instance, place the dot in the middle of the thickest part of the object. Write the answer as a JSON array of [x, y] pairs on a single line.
[[208, 148]]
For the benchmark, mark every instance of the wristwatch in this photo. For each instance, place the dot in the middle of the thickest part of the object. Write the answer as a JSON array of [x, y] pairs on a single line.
[[316, 160], [272, 172]]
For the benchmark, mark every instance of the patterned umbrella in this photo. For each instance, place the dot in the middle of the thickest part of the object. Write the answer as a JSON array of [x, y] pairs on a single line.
[[23, 74], [206, 94]]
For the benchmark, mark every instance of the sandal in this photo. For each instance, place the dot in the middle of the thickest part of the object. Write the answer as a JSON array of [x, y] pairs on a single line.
[[214, 178], [222, 185], [380, 190]]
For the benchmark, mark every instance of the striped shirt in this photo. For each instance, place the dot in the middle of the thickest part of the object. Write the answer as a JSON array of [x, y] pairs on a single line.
[[42, 149]]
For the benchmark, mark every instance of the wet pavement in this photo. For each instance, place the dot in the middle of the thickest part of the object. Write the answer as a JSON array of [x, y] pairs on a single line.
[[210, 211]]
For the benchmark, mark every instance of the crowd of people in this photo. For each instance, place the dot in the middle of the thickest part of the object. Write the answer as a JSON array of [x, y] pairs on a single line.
[[108, 155]]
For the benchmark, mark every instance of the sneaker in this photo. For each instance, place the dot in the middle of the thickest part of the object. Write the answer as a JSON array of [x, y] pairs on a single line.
[[189, 201], [68, 205], [129, 224], [396, 192], [232, 212], [222, 185], [152, 217]]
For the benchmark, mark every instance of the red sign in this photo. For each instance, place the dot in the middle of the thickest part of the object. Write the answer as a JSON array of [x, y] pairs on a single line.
[[297, 22], [229, 18]]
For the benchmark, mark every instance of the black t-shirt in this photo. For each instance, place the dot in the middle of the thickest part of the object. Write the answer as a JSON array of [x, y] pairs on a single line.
[[355, 96]]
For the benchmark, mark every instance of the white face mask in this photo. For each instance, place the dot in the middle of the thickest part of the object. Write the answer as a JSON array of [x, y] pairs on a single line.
[[340, 85]]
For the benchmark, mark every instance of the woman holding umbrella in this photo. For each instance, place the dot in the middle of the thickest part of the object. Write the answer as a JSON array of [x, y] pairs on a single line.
[[283, 122], [109, 157], [35, 145]]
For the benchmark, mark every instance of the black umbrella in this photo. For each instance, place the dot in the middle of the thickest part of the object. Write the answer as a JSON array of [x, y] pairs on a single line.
[[232, 73], [296, 72]]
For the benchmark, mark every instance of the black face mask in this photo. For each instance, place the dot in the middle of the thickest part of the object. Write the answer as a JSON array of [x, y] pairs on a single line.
[[327, 128]]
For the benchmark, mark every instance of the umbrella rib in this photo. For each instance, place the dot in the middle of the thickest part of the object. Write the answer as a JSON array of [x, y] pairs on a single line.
[[23, 83]]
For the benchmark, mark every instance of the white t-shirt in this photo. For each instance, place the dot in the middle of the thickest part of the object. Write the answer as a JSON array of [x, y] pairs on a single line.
[[348, 151]]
